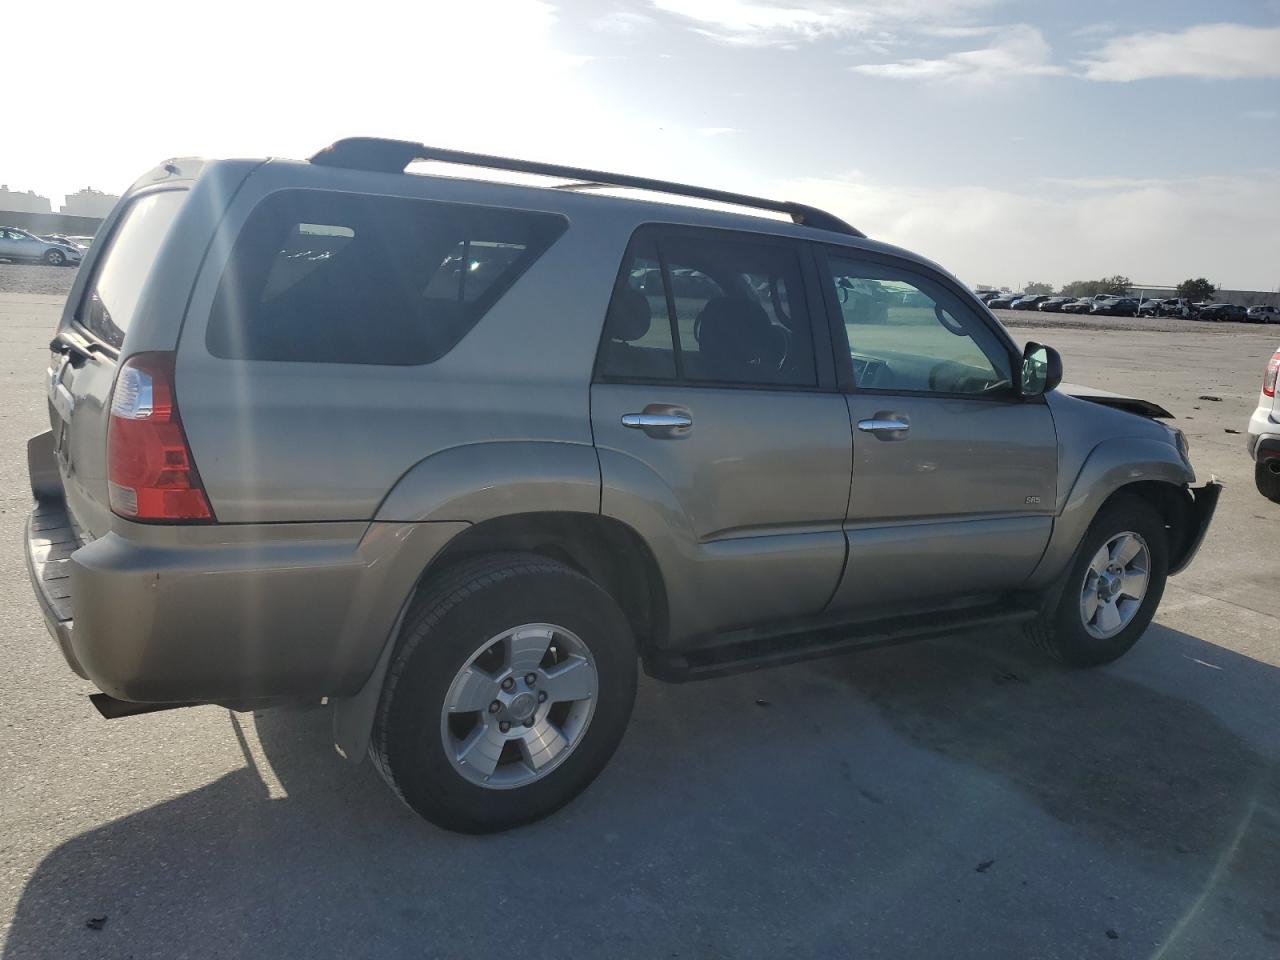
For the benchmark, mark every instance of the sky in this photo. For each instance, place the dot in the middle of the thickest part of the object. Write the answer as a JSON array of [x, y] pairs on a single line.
[[1009, 141]]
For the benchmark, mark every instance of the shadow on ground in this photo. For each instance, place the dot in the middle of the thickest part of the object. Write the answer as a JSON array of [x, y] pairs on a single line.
[[958, 798]]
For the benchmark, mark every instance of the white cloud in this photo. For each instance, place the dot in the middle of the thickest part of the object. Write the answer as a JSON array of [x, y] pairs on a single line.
[[780, 22], [1019, 50], [623, 23], [717, 131], [1155, 231], [1211, 50]]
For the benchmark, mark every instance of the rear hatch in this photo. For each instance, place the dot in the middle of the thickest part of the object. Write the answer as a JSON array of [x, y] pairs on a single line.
[[86, 350]]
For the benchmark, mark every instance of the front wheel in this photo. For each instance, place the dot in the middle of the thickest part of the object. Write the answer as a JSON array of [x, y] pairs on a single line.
[[55, 258], [1113, 587], [510, 690]]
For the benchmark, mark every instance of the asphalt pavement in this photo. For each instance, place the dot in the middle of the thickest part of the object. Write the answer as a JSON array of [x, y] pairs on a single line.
[[957, 798]]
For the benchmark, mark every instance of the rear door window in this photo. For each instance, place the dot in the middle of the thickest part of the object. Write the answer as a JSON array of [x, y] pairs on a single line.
[[123, 267], [323, 277]]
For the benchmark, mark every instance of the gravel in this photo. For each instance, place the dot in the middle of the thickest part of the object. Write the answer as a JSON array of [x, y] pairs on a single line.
[[36, 278]]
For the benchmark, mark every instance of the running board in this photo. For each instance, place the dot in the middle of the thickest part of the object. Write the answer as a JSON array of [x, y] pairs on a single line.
[[113, 709], [754, 652]]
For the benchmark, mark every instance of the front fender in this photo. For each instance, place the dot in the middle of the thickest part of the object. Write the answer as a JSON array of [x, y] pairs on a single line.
[[1111, 465], [481, 481]]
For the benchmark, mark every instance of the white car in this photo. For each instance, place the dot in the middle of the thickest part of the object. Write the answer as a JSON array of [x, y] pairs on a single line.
[[1264, 434], [20, 246], [1263, 314]]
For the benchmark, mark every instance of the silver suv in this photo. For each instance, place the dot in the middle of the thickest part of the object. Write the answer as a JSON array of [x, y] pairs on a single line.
[[455, 456]]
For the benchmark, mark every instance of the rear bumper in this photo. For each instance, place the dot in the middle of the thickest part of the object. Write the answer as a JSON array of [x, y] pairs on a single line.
[[1263, 435], [1204, 501], [223, 614]]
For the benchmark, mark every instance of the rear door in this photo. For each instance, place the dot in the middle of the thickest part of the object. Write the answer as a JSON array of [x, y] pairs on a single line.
[[721, 436], [80, 380], [954, 476]]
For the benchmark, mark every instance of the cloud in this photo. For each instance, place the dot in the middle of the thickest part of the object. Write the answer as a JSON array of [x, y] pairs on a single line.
[[1019, 50], [717, 131], [1156, 231], [783, 22], [1260, 115], [623, 23], [1211, 50]]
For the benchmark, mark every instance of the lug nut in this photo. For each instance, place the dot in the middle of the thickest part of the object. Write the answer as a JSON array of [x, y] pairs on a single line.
[[542, 696], [530, 678], [504, 726], [529, 722], [508, 684], [495, 707]]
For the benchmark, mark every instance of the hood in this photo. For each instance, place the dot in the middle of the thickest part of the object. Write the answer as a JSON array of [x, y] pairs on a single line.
[[1143, 408]]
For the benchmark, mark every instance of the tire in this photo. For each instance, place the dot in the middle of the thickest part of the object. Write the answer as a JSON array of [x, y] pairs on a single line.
[[415, 744], [1268, 483], [1062, 632], [55, 258]]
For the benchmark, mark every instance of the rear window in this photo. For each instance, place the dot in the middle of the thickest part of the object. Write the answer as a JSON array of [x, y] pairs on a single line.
[[122, 269], [324, 277]]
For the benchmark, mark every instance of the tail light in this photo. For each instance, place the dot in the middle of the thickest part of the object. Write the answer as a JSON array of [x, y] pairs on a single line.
[[1269, 378], [150, 472]]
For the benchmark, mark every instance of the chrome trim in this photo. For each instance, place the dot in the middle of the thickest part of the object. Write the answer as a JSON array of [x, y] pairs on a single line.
[[883, 426], [639, 421]]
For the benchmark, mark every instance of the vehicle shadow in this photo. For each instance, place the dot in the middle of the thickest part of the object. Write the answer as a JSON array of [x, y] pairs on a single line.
[[953, 798]]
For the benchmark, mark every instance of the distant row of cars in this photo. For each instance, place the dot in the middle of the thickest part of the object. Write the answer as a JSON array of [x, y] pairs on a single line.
[[1114, 305], [23, 246]]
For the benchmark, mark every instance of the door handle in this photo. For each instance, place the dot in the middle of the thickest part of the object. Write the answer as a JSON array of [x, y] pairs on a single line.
[[883, 426], [643, 421]]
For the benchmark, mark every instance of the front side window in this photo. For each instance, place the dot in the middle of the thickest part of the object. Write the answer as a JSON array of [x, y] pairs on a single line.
[[323, 277], [709, 308], [907, 333]]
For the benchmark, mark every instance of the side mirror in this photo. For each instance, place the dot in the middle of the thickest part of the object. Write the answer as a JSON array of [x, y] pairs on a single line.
[[1041, 369]]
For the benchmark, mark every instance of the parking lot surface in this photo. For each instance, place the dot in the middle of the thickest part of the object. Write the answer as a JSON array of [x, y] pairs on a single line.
[[957, 798]]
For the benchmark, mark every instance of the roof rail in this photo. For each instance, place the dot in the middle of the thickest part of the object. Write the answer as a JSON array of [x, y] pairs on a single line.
[[392, 156]]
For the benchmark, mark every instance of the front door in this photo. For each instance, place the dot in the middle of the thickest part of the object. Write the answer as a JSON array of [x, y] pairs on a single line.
[[722, 438], [954, 475]]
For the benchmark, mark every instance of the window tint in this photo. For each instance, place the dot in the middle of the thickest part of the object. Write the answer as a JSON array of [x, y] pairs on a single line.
[[739, 313], [325, 277], [123, 268], [907, 333]]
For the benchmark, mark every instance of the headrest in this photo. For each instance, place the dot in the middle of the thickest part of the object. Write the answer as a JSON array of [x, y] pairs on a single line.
[[737, 329], [629, 316]]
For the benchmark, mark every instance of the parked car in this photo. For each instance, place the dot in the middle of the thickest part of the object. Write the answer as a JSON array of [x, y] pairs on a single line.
[[1224, 311], [20, 246], [1263, 439], [986, 295], [470, 578], [1178, 307], [1004, 302], [64, 241], [1029, 302], [1114, 306], [1263, 313], [1150, 307], [1079, 305], [1053, 304]]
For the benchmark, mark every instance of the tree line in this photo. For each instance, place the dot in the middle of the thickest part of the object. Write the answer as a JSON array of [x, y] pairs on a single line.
[[1122, 286]]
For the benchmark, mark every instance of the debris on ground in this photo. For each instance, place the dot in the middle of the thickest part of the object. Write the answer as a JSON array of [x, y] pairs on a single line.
[[983, 867], [1009, 677], [96, 923], [1112, 935], [763, 703], [1229, 430], [1209, 396]]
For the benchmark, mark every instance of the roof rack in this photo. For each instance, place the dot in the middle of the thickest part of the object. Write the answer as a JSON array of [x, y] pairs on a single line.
[[392, 156]]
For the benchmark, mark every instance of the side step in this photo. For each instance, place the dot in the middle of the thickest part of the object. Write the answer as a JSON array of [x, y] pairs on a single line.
[[747, 650]]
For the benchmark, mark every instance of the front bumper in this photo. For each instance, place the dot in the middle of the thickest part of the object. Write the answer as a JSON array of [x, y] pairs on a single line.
[[1204, 501]]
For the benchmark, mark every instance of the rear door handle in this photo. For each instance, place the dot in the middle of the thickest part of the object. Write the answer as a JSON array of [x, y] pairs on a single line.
[[639, 421], [883, 426]]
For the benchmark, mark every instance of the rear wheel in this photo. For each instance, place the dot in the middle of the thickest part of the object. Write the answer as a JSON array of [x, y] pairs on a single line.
[[1267, 482], [511, 689], [1113, 588], [55, 258]]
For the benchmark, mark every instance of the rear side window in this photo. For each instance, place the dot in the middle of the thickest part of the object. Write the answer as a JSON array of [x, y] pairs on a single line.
[[323, 277], [710, 307], [122, 269]]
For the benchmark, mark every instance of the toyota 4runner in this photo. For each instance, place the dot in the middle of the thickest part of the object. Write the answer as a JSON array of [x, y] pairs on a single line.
[[456, 456]]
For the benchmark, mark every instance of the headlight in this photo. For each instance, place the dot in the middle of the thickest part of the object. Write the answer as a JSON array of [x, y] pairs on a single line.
[[1180, 441]]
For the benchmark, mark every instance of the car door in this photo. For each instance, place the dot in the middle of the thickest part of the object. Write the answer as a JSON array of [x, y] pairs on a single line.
[[9, 244], [954, 475], [27, 247], [722, 438]]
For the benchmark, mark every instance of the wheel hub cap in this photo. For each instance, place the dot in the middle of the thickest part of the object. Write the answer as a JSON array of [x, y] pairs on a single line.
[[1115, 584], [519, 706]]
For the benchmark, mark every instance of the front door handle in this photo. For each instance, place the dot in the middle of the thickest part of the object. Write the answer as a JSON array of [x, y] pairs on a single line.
[[639, 421], [883, 426]]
